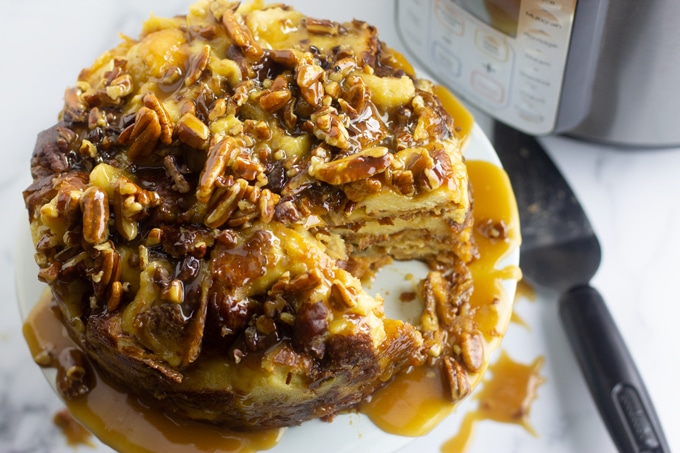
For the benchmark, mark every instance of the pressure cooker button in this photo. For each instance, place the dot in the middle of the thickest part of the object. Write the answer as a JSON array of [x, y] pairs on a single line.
[[531, 99], [492, 45], [487, 87], [447, 60], [529, 115], [551, 5], [449, 18], [544, 18], [537, 57], [541, 37]]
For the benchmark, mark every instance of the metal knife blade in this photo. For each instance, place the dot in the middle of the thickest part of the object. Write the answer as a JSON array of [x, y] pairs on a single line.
[[560, 251]]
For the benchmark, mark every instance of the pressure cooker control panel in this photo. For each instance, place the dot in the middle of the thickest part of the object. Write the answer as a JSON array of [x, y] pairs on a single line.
[[507, 57]]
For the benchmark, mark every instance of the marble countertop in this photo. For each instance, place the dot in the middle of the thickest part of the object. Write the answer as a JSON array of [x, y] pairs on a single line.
[[632, 197]]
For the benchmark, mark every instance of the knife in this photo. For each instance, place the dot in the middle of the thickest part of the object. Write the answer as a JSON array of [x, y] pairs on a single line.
[[560, 251]]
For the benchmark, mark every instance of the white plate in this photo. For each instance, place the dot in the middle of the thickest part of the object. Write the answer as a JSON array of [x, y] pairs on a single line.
[[349, 432]]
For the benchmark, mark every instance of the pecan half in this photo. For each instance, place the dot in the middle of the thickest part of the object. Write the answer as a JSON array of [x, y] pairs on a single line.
[[95, 206], [151, 101], [142, 135], [115, 295], [198, 64], [240, 35], [456, 377], [110, 268], [472, 350], [355, 167], [218, 158], [225, 204]]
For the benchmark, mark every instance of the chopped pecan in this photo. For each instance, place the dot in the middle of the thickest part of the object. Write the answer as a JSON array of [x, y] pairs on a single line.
[[310, 80], [276, 97], [267, 205], [155, 237], [95, 206], [494, 230], [304, 282], [311, 323], [359, 190], [322, 27], [180, 183], [119, 87], [333, 89], [285, 57], [404, 182], [87, 148], [257, 129], [218, 109], [342, 68], [96, 118], [141, 136], [75, 107], [240, 35], [244, 167], [289, 116], [74, 375], [192, 131], [362, 165], [329, 128], [286, 212], [115, 296], [357, 95], [51, 273], [173, 292], [341, 297], [130, 202]]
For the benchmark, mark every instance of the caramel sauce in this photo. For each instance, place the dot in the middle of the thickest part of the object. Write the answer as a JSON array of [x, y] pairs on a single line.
[[417, 400], [74, 432], [119, 420], [506, 398], [412, 405]]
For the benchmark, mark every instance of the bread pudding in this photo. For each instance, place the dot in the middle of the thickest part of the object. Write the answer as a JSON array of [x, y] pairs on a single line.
[[215, 192]]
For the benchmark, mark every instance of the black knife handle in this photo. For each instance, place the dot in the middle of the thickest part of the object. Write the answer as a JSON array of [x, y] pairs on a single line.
[[613, 379]]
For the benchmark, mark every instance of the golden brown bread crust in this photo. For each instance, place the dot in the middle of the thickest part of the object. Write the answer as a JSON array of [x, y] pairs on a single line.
[[200, 207]]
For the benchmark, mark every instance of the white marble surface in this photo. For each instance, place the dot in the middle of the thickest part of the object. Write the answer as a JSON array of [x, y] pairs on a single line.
[[632, 197]]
